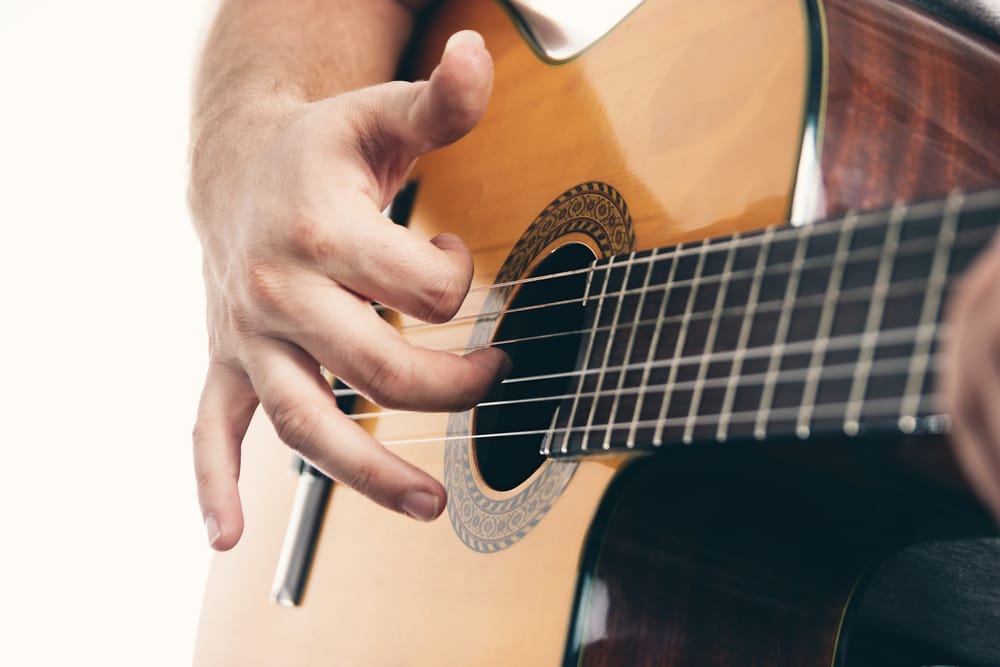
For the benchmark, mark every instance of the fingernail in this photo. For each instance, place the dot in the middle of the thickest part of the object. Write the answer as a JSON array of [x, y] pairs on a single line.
[[506, 367], [213, 529], [420, 505], [465, 36]]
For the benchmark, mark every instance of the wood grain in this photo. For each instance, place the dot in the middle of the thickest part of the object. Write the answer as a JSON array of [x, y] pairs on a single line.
[[753, 557], [911, 109]]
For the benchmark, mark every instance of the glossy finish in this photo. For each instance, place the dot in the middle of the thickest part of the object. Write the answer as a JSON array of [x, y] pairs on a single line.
[[290, 575], [698, 140], [912, 107], [735, 557], [808, 192], [563, 29]]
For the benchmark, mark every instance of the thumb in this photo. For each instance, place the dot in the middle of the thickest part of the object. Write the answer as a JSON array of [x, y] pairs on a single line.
[[405, 120], [447, 106]]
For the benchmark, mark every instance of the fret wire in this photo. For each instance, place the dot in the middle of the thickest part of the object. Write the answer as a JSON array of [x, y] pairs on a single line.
[[836, 343], [843, 342], [679, 347], [824, 327], [903, 288], [608, 346], [713, 326], [741, 346], [590, 344], [778, 350], [977, 201], [628, 349], [590, 280], [836, 372], [932, 302], [974, 237], [879, 410], [874, 319], [654, 343]]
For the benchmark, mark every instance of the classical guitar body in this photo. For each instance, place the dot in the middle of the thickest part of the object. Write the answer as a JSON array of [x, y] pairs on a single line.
[[654, 530]]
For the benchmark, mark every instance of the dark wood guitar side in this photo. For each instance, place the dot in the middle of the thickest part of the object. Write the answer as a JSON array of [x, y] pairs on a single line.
[[911, 110], [744, 557]]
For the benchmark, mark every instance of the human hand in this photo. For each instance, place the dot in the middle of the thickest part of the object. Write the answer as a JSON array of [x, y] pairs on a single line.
[[970, 380], [287, 202]]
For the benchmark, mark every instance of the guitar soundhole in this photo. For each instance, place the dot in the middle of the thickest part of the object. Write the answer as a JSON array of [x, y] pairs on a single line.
[[541, 333]]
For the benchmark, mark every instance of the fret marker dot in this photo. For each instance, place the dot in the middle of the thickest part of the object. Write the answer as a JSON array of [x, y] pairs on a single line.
[[851, 428], [907, 424], [802, 432], [760, 434]]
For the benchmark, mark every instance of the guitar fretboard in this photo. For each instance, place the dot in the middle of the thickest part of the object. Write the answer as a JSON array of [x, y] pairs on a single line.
[[780, 333]]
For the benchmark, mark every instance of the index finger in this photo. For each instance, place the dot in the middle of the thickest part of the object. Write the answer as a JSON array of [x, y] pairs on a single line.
[[391, 265], [347, 336], [304, 412]]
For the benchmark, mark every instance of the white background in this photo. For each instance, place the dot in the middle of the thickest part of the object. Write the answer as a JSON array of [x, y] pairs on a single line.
[[102, 553]]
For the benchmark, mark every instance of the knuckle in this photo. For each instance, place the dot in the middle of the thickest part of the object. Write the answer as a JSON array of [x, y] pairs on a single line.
[[265, 286], [241, 325], [309, 239], [296, 424], [205, 479], [370, 132], [363, 479], [442, 298], [388, 382]]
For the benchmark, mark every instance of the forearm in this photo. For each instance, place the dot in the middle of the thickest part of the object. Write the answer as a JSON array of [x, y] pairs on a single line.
[[262, 55]]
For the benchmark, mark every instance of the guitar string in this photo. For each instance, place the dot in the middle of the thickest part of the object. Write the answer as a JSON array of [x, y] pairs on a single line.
[[971, 203], [854, 296], [834, 344], [882, 409], [912, 247], [820, 412], [883, 367]]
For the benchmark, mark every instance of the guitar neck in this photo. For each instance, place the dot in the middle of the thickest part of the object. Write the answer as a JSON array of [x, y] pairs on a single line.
[[832, 327]]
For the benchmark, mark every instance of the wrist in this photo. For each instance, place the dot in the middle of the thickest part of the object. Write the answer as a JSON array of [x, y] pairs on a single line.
[[226, 140]]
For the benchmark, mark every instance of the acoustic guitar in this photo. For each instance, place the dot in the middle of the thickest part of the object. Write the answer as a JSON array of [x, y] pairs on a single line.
[[720, 419]]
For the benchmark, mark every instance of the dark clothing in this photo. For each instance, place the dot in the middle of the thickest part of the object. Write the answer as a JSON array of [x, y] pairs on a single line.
[[981, 17], [944, 596]]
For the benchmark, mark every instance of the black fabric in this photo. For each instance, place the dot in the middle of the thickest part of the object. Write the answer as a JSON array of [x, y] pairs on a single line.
[[943, 595], [981, 17]]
